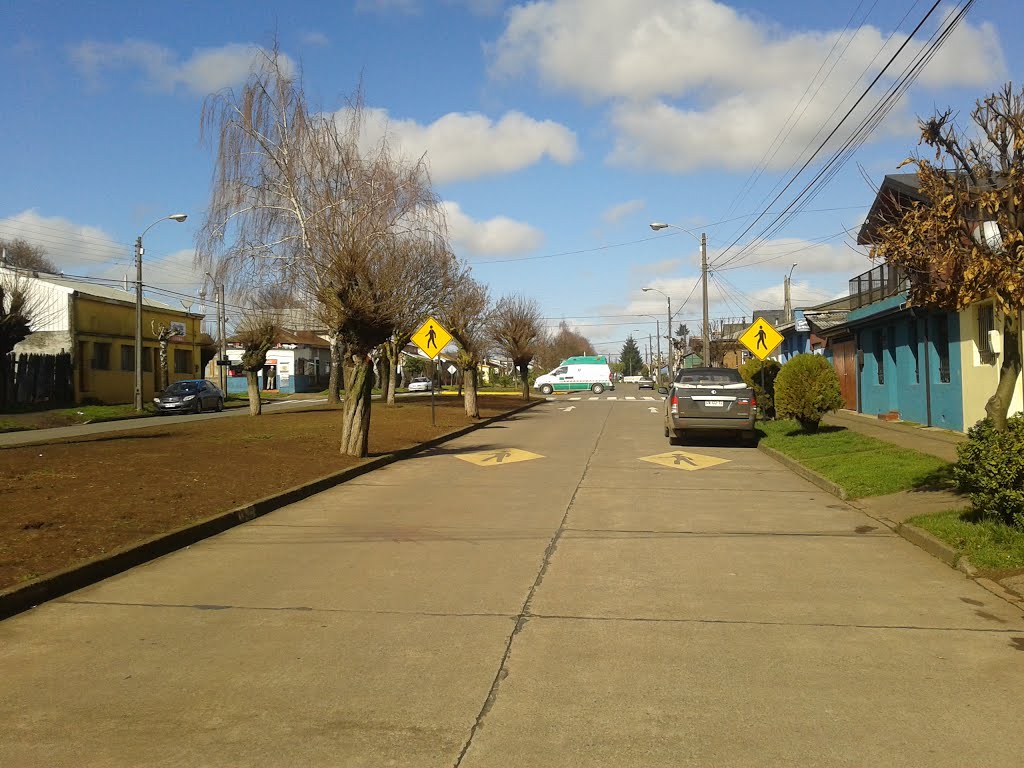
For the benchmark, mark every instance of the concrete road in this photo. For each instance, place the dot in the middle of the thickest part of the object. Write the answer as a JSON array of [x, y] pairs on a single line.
[[534, 594]]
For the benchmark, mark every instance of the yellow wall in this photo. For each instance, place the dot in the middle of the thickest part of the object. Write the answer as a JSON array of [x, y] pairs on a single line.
[[980, 379], [109, 322]]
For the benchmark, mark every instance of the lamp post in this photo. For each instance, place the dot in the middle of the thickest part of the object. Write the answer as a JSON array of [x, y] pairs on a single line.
[[671, 371], [657, 330], [703, 239], [139, 251]]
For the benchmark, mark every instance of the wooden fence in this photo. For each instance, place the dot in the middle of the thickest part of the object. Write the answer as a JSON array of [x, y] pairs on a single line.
[[29, 379]]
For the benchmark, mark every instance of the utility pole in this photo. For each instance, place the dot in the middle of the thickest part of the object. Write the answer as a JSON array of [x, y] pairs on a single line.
[[138, 324], [222, 332], [788, 303], [706, 335]]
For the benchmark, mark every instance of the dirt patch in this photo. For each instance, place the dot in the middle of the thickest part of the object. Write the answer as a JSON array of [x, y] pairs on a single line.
[[64, 502]]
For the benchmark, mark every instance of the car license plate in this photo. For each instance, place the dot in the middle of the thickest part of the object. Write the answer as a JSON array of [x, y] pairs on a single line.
[[714, 403]]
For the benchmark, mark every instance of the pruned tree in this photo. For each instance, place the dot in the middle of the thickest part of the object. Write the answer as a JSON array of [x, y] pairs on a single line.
[[297, 199], [965, 243], [515, 328], [419, 295], [18, 312], [21, 254], [465, 314], [257, 332], [163, 335]]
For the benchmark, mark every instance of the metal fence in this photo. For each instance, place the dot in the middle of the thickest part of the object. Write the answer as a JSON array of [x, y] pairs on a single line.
[[876, 284]]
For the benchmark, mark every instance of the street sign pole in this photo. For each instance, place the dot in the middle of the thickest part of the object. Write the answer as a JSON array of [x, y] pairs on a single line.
[[432, 338]]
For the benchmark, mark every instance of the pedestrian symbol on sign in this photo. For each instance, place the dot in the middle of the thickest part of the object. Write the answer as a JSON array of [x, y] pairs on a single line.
[[761, 336]]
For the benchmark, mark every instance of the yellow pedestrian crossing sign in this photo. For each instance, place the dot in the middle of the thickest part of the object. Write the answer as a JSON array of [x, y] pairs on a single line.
[[498, 457], [685, 460], [761, 338], [431, 338]]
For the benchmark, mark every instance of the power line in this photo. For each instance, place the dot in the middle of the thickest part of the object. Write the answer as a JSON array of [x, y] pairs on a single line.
[[828, 138]]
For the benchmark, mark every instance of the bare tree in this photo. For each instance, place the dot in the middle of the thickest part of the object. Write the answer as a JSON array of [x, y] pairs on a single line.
[[565, 342], [257, 332], [515, 329], [966, 243], [298, 200], [21, 254], [465, 314]]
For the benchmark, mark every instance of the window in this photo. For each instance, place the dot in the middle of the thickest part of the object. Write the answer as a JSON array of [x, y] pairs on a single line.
[[147, 359], [913, 343], [183, 361], [879, 339], [101, 357], [127, 357], [986, 323], [942, 347]]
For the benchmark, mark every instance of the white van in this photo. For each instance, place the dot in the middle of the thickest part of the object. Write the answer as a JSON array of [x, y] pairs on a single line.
[[577, 374]]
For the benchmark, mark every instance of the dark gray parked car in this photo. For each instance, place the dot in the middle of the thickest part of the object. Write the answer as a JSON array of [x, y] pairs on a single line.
[[190, 396], [709, 400]]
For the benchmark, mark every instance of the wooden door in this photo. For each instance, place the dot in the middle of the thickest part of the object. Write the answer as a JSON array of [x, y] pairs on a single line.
[[844, 358]]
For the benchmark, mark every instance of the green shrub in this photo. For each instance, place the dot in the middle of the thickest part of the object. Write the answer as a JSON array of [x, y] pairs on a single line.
[[990, 467], [807, 388], [751, 373]]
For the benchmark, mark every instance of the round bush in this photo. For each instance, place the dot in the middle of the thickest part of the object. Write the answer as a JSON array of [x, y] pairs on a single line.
[[806, 389], [990, 467], [751, 373]]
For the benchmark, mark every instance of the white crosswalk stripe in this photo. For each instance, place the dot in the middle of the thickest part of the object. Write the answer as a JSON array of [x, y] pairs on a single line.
[[631, 398]]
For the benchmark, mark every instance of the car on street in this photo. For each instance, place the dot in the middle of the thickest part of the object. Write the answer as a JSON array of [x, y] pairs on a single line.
[[421, 384], [709, 400], [190, 396], [646, 382]]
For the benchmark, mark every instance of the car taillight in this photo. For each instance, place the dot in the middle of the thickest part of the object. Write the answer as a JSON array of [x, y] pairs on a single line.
[[675, 403]]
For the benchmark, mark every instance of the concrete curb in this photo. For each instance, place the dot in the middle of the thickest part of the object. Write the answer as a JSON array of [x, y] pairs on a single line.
[[804, 472], [17, 599], [933, 546]]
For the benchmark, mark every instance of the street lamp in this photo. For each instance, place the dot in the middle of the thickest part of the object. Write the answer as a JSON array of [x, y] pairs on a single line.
[[671, 370], [139, 251], [705, 334], [657, 330]]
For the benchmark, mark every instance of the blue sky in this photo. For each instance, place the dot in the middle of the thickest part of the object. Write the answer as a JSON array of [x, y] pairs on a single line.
[[555, 131]]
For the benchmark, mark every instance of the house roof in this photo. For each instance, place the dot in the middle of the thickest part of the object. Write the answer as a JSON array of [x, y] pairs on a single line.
[[111, 293], [287, 336], [825, 321]]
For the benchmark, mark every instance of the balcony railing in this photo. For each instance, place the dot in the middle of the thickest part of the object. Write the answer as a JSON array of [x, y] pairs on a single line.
[[876, 284]]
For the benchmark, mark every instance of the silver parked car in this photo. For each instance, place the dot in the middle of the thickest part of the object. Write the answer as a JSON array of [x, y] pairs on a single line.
[[421, 384], [709, 400]]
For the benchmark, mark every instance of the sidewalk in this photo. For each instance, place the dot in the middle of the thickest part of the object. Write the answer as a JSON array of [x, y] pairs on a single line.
[[931, 440]]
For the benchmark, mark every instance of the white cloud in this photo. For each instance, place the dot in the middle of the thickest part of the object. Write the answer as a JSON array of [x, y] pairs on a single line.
[[318, 39], [696, 83], [205, 71], [498, 236], [617, 213], [463, 145], [73, 248]]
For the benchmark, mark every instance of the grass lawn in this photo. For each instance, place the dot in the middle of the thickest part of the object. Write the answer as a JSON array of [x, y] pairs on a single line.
[[989, 545], [861, 465]]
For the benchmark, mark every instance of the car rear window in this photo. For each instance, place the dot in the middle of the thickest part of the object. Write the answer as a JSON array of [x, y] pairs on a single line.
[[724, 377]]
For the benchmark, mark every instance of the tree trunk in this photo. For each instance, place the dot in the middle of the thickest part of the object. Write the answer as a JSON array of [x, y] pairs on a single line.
[[335, 381], [470, 376], [524, 374], [165, 378], [998, 406], [355, 424], [255, 402]]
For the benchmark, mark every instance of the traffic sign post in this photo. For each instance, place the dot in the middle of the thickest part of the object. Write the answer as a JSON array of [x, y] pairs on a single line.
[[761, 338], [432, 338]]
